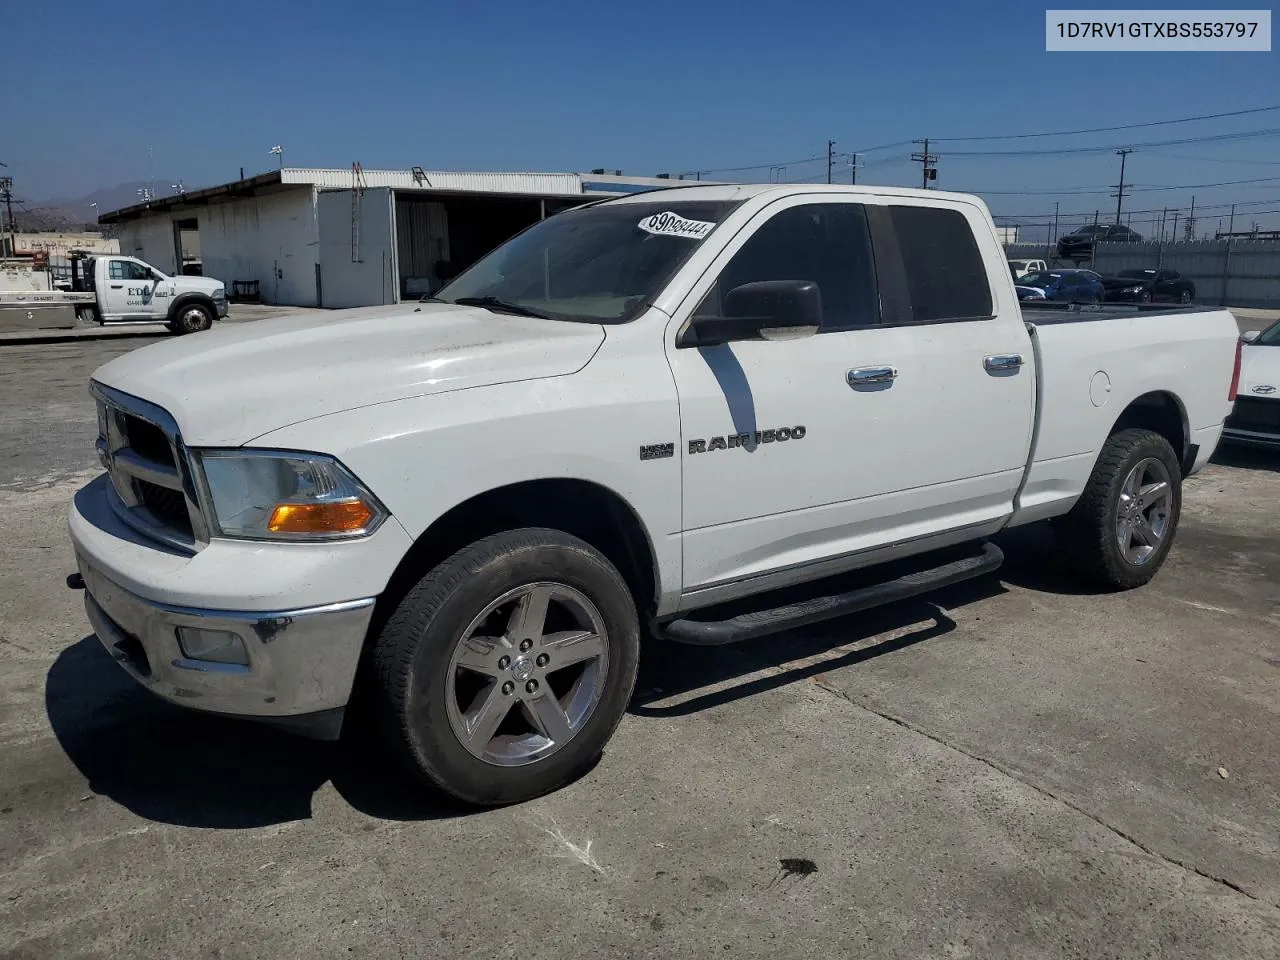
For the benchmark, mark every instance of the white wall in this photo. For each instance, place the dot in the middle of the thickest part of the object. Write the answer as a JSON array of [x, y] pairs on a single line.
[[272, 239], [151, 239]]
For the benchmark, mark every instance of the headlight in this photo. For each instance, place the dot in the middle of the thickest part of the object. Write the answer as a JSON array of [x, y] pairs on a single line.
[[220, 293], [273, 495]]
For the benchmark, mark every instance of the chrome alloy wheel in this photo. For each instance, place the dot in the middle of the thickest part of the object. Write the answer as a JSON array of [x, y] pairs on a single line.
[[1142, 513], [192, 319], [527, 674]]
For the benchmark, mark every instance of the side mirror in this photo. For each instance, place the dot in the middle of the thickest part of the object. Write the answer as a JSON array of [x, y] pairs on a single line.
[[766, 310], [1250, 335]]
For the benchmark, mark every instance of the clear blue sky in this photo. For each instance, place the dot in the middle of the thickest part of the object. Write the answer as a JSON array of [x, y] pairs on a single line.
[[570, 85]]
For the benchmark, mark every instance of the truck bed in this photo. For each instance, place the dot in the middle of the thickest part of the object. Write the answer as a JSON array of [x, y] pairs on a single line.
[[1046, 314], [1087, 373]]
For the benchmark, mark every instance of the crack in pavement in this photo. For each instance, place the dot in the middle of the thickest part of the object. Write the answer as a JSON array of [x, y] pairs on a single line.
[[1043, 791]]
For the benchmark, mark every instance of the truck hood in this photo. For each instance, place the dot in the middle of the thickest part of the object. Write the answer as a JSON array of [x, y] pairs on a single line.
[[1260, 372], [229, 385], [205, 285]]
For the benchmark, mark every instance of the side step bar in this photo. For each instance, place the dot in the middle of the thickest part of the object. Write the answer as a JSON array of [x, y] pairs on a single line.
[[759, 623]]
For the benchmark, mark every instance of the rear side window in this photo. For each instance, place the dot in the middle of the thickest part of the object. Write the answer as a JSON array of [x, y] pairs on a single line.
[[945, 276]]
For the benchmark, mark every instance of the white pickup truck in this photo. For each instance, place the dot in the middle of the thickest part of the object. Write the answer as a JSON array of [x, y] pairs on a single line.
[[128, 290], [675, 413]]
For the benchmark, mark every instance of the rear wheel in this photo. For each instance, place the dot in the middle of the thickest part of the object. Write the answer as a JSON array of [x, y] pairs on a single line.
[[506, 669], [1121, 530], [1145, 296], [1185, 297], [191, 318]]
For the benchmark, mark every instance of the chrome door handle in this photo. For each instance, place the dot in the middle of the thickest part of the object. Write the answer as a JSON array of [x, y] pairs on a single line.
[[1002, 361], [117, 286], [860, 375]]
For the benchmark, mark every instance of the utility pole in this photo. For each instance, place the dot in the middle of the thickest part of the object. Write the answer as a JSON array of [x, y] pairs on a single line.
[[853, 170], [1231, 226], [6, 187], [830, 155], [1173, 234], [928, 164], [1123, 154], [1191, 220]]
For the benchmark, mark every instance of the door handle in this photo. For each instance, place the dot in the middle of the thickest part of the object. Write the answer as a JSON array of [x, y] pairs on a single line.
[[117, 286], [860, 375], [1000, 362]]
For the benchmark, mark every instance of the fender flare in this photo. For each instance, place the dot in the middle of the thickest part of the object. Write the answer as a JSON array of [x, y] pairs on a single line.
[[182, 300]]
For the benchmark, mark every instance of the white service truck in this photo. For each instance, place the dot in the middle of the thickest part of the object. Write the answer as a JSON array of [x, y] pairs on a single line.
[[128, 290], [677, 413]]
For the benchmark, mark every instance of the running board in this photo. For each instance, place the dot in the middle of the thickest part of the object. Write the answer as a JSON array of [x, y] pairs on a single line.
[[759, 623]]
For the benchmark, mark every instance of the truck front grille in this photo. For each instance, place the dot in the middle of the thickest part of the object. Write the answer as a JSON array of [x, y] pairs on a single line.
[[141, 448], [148, 441], [1257, 415], [167, 506]]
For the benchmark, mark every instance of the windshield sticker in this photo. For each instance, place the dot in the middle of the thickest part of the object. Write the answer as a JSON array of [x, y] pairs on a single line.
[[669, 224]]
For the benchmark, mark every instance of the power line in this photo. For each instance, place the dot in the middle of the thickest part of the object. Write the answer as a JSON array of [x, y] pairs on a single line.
[[1107, 148], [1124, 126]]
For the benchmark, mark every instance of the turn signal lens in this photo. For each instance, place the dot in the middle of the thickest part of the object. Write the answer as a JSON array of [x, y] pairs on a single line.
[[342, 516]]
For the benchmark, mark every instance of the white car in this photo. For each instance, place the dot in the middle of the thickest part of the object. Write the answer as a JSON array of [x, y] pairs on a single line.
[[1020, 268], [644, 415], [1255, 418]]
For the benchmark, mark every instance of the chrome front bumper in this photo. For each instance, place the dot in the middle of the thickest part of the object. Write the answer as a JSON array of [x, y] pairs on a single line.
[[222, 307], [301, 662]]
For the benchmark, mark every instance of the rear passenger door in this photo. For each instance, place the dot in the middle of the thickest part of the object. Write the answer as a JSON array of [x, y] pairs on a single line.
[[803, 457]]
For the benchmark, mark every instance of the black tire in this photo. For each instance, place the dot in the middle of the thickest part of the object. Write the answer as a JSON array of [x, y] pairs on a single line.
[[191, 318], [87, 317], [1185, 296], [1144, 297], [412, 659], [1090, 530]]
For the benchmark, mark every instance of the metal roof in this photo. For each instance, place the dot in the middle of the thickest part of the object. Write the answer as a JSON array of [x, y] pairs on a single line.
[[429, 181], [448, 181]]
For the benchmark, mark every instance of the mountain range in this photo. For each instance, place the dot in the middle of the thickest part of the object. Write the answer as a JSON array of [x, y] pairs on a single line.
[[78, 213]]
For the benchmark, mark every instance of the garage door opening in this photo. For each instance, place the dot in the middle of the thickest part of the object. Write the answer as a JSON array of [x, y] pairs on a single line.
[[186, 246], [440, 235]]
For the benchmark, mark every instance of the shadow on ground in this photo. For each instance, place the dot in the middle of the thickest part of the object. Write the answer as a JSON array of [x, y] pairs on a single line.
[[1247, 458], [181, 767], [177, 766]]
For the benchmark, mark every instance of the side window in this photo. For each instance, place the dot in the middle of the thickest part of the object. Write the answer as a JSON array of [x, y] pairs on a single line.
[[134, 271], [116, 270], [945, 276], [827, 243]]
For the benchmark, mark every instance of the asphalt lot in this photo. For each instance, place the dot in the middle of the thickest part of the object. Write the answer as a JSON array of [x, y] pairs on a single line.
[[1015, 767]]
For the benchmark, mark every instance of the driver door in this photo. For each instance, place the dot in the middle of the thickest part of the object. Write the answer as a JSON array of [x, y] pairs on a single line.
[[130, 292]]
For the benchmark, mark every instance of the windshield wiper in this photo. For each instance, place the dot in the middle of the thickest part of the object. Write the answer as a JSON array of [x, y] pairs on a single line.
[[497, 303]]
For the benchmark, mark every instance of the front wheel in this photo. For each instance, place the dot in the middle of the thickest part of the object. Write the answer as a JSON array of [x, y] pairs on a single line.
[[1185, 297], [1121, 530], [506, 669], [192, 318]]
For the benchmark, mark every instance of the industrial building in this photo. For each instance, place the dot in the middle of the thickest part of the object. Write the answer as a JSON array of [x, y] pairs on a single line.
[[347, 238]]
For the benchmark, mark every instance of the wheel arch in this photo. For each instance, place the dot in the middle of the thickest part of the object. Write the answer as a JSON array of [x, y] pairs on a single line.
[[1162, 412], [582, 508], [185, 299]]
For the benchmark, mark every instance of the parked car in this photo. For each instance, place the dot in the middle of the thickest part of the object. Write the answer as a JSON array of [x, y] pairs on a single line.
[[648, 415], [1144, 286], [1020, 268], [1062, 286], [1078, 246], [1255, 417]]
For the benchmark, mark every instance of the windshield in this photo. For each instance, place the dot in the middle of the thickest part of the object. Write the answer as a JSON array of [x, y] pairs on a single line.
[[1137, 274], [1039, 279], [600, 264], [1270, 337]]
